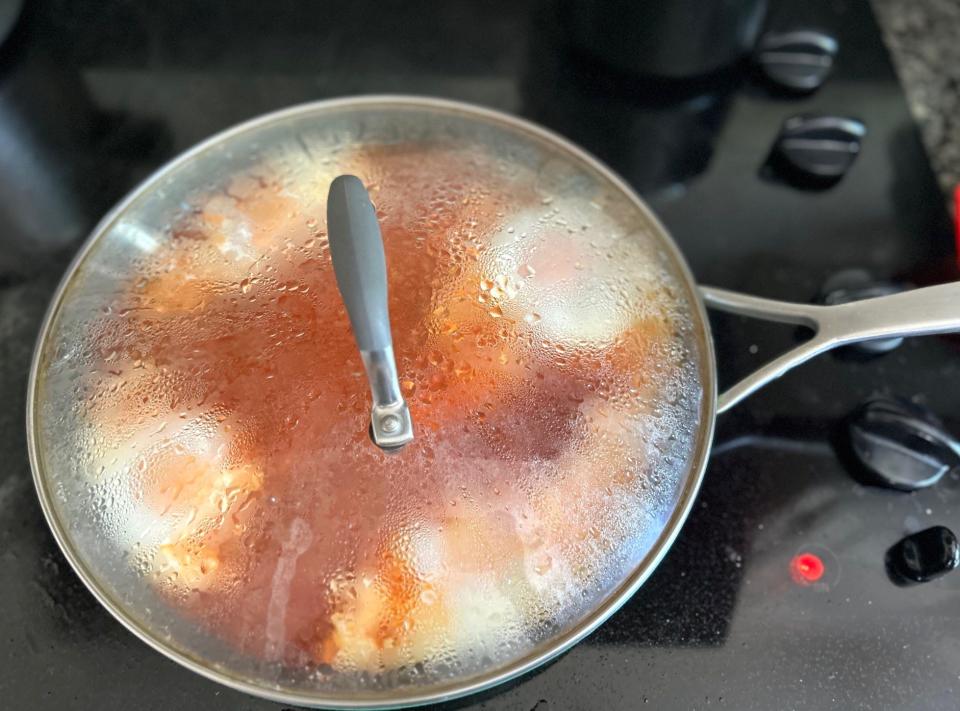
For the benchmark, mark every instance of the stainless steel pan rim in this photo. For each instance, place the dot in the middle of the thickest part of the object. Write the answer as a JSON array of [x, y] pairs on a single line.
[[548, 650]]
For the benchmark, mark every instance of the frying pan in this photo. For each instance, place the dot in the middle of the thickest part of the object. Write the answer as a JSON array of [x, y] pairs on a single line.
[[87, 516]]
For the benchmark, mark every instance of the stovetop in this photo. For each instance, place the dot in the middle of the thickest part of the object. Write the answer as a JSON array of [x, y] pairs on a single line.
[[92, 98]]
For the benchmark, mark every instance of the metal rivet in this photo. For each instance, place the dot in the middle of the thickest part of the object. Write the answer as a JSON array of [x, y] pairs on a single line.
[[390, 424]]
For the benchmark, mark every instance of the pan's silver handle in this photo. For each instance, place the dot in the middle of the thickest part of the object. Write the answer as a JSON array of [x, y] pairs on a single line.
[[933, 309]]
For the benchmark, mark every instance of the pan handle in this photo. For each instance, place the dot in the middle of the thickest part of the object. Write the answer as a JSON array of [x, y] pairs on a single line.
[[932, 309]]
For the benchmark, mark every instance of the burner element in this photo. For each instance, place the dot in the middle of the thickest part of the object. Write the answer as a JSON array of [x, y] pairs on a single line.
[[815, 152], [854, 285], [901, 445], [797, 62], [923, 556]]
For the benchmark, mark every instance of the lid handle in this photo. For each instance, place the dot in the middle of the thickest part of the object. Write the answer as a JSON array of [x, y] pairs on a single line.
[[356, 248]]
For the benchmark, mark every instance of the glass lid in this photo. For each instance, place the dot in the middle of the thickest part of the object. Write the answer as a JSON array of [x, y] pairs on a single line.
[[200, 412]]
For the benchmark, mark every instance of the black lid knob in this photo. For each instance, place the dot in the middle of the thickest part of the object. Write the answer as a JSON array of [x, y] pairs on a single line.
[[798, 61], [816, 151], [900, 444], [923, 556]]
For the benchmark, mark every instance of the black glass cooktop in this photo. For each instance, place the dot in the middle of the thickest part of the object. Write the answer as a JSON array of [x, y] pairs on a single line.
[[776, 594]]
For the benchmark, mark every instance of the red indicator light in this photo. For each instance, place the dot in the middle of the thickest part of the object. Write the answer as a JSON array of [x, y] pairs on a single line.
[[806, 568]]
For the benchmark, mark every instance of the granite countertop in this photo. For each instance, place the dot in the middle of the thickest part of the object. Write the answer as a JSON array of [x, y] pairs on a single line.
[[922, 36]]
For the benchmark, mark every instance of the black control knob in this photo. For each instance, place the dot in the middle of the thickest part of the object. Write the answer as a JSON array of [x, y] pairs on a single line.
[[923, 556], [854, 285], [797, 62], [900, 444], [816, 151]]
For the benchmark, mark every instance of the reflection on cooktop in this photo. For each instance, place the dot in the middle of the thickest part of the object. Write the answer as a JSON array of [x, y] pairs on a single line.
[[655, 133]]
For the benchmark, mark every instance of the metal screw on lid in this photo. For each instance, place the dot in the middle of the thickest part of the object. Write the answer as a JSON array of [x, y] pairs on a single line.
[[390, 424]]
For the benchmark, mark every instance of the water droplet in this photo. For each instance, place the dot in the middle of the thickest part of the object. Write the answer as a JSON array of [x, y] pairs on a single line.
[[542, 564], [428, 596]]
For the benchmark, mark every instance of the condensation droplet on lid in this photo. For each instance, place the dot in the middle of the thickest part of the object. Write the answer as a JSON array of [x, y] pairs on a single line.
[[542, 564]]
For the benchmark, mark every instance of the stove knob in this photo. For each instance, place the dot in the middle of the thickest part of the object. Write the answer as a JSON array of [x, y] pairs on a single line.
[[900, 444], [923, 556], [797, 62], [854, 285], [816, 151]]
